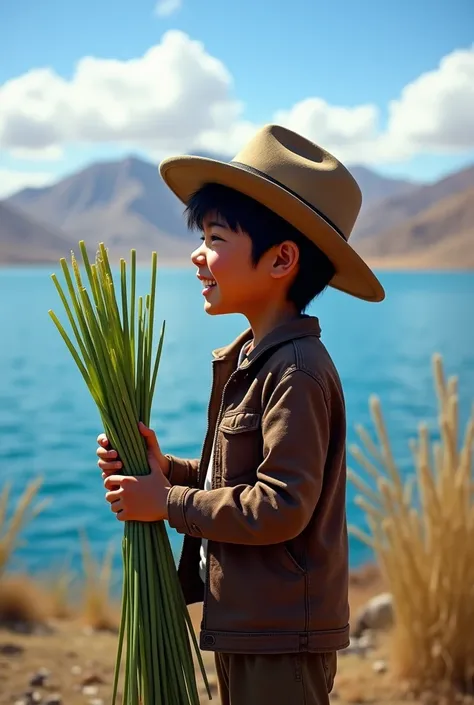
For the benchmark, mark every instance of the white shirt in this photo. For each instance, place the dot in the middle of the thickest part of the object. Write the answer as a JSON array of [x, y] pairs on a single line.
[[208, 484]]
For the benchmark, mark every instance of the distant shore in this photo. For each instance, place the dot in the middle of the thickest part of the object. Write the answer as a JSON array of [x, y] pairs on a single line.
[[387, 265]]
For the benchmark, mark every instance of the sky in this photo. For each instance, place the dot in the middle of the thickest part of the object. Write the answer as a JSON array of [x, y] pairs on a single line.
[[384, 84]]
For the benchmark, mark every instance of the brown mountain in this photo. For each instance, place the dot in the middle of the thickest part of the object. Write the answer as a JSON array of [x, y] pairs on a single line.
[[441, 235], [375, 187], [396, 209], [24, 240], [126, 204]]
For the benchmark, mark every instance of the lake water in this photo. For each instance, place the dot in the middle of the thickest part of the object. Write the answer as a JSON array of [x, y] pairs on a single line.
[[49, 425]]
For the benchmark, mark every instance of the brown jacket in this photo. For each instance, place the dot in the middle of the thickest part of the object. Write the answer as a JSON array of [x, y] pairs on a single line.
[[275, 519]]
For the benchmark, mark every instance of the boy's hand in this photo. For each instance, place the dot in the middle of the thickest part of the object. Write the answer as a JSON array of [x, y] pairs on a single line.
[[141, 498], [109, 461]]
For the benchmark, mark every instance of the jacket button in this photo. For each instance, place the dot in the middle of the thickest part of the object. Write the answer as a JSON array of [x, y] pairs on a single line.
[[209, 640]]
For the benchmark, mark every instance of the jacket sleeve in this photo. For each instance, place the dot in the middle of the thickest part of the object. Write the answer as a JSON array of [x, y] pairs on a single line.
[[295, 428], [183, 472]]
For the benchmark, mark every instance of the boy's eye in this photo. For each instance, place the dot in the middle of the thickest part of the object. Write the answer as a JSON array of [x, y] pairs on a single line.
[[212, 238]]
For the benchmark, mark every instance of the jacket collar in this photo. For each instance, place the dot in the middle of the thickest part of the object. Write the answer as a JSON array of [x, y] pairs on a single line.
[[299, 328]]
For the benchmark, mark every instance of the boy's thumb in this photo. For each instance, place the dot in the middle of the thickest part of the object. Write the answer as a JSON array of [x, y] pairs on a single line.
[[150, 438]]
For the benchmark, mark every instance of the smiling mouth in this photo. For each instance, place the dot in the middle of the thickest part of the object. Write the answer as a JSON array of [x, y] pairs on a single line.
[[208, 283]]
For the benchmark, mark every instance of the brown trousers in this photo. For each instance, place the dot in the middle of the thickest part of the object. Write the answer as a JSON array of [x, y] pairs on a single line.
[[275, 679]]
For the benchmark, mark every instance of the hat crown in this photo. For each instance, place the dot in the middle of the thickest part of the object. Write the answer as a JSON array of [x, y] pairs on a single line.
[[308, 171]]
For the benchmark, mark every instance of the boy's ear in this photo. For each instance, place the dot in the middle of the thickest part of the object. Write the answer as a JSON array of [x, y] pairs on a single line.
[[285, 259]]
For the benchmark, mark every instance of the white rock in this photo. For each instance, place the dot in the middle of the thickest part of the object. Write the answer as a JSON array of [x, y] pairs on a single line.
[[367, 640], [376, 614], [76, 670], [379, 666], [90, 690]]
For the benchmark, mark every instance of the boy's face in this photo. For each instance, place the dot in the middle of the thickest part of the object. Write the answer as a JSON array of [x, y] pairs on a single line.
[[225, 259]]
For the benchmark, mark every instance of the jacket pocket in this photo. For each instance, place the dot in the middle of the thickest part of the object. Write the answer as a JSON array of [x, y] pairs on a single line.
[[240, 422], [240, 446], [296, 564]]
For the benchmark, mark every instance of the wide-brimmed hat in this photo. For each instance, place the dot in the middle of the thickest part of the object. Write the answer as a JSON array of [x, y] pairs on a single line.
[[302, 183]]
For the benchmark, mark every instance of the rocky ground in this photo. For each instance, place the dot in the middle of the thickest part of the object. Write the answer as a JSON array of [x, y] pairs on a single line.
[[70, 664]]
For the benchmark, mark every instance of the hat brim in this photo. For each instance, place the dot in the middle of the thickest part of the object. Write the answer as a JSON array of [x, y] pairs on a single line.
[[187, 174]]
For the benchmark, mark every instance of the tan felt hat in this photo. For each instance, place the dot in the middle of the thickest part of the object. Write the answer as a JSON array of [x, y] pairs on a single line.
[[299, 181]]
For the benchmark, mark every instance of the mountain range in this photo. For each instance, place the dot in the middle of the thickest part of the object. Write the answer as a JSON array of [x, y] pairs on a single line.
[[126, 204]]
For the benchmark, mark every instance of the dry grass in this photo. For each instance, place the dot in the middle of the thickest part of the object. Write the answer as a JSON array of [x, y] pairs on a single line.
[[60, 586], [422, 531], [98, 609], [23, 603], [23, 514]]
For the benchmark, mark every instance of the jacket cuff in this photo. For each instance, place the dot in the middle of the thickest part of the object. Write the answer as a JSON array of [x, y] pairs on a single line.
[[179, 499], [180, 471]]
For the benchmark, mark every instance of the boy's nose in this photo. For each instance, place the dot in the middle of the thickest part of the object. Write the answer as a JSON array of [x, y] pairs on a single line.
[[198, 257]]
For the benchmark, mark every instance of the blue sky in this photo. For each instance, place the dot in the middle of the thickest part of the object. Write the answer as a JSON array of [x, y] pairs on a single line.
[[307, 59]]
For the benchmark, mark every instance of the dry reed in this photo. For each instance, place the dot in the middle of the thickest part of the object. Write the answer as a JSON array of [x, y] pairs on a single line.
[[24, 512], [422, 533], [98, 609]]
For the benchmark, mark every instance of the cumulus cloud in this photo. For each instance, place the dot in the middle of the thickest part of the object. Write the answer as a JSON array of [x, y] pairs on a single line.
[[349, 133], [177, 97], [12, 180], [436, 111], [164, 8], [174, 94]]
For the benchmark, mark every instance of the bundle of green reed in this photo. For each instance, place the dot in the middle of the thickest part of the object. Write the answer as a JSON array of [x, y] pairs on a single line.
[[114, 354]]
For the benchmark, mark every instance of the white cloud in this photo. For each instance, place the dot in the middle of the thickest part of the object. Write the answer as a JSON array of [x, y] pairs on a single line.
[[173, 95], [349, 133], [52, 153], [12, 181], [177, 97], [165, 8], [436, 111]]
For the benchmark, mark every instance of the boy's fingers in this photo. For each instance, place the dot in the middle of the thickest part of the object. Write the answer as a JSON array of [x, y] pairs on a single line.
[[149, 436], [109, 467], [105, 454], [103, 440], [112, 482]]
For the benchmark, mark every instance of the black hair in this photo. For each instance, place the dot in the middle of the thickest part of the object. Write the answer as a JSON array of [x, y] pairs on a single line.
[[265, 229]]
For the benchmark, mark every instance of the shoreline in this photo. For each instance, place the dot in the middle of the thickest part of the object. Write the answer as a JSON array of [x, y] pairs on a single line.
[[398, 265]]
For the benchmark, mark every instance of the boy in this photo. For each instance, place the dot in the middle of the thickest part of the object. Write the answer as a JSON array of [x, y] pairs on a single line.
[[263, 511]]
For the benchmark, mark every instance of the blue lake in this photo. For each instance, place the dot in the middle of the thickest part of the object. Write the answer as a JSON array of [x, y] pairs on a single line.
[[49, 424]]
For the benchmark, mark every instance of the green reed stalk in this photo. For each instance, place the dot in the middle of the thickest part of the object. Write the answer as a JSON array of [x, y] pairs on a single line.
[[112, 345]]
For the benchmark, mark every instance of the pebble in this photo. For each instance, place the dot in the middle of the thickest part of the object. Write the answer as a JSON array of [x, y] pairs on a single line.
[[90, 690], [40, 677], [379, 666], [76, 670]]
